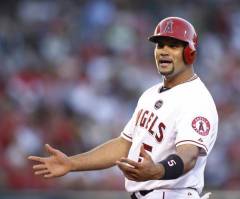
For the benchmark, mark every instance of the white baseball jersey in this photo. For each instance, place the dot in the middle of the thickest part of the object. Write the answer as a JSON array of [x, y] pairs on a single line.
[[184, 114]]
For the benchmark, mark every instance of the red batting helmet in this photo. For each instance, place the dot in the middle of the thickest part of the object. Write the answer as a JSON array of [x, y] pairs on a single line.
[[180, 29]]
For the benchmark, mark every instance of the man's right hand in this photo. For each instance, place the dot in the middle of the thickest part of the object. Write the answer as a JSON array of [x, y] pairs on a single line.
[[57, 164]]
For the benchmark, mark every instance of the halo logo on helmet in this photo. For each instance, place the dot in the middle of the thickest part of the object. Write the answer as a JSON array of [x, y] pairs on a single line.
[[180, 29], [169, 27]]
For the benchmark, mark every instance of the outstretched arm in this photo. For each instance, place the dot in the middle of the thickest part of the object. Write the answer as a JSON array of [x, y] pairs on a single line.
[[101, 157]]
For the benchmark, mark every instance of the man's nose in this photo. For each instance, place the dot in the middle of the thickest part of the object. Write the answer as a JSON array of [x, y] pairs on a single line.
[[164, 51]]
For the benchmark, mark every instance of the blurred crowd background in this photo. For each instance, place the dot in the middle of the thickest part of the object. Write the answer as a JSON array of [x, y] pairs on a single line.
[[71, 73]]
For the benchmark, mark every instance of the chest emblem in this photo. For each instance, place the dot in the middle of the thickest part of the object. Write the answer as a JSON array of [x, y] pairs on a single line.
[[201, 125], [158, 104]]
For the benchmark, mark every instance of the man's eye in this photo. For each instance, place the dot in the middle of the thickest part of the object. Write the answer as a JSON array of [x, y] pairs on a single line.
[[160, 45]]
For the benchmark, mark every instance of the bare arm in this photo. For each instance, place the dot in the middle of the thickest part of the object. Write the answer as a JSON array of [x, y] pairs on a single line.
[[101, 157], [189, 154], [59, 164], [148, 170]]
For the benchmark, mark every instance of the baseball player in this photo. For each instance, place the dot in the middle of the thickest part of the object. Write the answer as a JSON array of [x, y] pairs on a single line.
[[163, 149]]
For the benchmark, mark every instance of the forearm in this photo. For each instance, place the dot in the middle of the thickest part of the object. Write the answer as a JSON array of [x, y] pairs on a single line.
[[178, 164], [101, 157], [189, 155]]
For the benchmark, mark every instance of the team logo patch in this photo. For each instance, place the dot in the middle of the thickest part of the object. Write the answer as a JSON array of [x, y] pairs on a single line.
[[158, 104], [169, 27], [201, 125]]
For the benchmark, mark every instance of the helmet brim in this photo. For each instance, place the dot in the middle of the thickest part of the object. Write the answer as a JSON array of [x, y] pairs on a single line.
[[156, 38]]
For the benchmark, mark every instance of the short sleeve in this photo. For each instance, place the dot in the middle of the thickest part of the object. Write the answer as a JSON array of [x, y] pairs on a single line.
[[198, 126], [128, 131]]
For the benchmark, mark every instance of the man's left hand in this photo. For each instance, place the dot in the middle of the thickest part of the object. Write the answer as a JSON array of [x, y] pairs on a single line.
[[140, 171]]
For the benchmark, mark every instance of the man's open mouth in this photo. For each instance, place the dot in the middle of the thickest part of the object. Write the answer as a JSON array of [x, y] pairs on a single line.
[[165, 62]]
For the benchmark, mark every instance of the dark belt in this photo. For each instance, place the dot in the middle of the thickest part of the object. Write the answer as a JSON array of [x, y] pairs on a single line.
[[143, 193]]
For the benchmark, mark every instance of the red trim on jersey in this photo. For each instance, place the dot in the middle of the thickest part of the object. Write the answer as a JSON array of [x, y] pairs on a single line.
[[127, 136], [193, 142]]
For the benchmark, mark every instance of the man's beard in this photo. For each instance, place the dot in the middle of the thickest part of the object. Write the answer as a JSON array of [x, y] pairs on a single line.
[[167, 73]]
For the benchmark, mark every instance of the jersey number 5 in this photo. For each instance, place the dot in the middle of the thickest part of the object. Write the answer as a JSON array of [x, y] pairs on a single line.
[[147, 148]]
